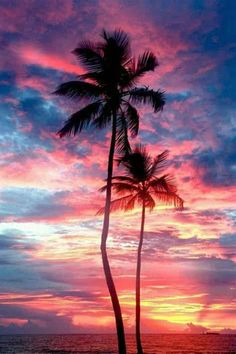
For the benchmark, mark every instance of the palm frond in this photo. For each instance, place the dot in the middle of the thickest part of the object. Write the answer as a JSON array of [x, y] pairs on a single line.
[[146, 62], [170, 198], [105, 116], [136, 69], [131, 203], [164, 183], [118, 204], [144, 95], [132, 117], [159, 163], [96, 77], [126, 78], [121, 187], [122, 140], [103, 188], [116, 53], [149, 201], [89, 56], [116, 46], [78, 89], [138, 164], [127, 179], [81, 119]]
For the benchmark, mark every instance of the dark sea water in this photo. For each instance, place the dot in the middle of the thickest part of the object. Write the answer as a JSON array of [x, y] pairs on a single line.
[[106, 344]]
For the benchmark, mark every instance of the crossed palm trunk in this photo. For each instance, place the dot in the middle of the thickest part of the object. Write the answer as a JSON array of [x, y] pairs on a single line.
[[140, 186], [109, 86]]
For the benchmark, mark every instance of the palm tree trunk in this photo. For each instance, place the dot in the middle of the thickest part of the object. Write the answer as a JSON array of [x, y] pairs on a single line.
[[106, 266], [138, 272]]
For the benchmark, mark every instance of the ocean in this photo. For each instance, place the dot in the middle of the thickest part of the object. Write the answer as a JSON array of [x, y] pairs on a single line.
[[106, 344]]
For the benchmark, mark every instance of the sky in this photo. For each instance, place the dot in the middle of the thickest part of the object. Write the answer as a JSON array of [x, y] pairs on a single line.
[[51, 277]]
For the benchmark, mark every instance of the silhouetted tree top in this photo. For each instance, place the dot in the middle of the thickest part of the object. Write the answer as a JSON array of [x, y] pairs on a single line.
[[109, 87], [143, 182]]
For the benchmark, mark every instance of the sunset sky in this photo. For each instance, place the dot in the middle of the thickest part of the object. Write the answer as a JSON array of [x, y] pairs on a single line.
[[51, 276]]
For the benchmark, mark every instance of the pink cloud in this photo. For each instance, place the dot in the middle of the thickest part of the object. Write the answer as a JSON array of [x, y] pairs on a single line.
[[31, 55]]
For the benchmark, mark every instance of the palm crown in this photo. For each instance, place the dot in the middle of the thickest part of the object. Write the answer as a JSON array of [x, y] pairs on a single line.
[[142, 185], [109, 87]]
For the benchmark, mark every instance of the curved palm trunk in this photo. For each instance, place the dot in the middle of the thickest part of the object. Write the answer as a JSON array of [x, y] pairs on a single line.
[[138, 272], [106, 266]]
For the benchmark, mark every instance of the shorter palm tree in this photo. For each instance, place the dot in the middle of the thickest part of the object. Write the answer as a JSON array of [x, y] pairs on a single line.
[[141, 186]]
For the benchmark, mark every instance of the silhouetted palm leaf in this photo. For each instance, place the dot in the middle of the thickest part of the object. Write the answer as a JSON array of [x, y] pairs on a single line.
[[80, 119], [116, 46], [125, 179], [146, 62], [73, 89], [104, 117], [118, 204], [89, 56], [169, 198], [132, 117], [122, 139], [138, 164], [95, 77], [159, 163], [144, 95], [164, 183], [148, 200], [121, 188]]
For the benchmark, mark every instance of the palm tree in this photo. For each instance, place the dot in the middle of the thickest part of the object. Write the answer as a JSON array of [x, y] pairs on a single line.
[[141, 186], [109, 87]]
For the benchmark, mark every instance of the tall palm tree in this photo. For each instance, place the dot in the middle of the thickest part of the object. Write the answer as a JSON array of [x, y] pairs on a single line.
[[141, 186], [109, 87]]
